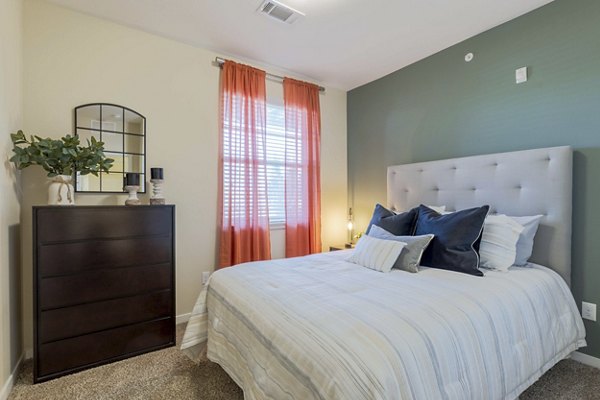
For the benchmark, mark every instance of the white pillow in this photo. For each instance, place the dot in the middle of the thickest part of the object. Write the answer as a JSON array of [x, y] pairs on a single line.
[[525, 243], [498, 248], [437, 209], [377, 254]]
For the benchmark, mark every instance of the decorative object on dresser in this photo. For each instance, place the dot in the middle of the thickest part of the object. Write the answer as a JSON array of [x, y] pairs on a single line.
[[123, 132], [132, 185], [157, 178], [60, 158], [61, 191], [104, 285]]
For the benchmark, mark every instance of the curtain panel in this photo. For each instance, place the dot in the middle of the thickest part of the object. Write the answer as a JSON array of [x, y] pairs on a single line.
[[243, 203], [302, 168]]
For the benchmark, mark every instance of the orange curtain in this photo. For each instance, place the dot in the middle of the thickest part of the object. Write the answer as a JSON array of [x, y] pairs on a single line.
[[243, 208], [302, 168]]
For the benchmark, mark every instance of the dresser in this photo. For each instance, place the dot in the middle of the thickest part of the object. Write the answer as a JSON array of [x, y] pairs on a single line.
[[104, 285]]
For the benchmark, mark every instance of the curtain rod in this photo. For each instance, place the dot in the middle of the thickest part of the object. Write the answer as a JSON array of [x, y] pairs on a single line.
[[220, 61]]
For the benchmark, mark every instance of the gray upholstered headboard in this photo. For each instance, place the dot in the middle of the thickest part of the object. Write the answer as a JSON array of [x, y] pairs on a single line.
[[529, 182]]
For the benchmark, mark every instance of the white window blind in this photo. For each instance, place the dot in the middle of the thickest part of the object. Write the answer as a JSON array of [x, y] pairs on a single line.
[[275, 163], [275, 168]]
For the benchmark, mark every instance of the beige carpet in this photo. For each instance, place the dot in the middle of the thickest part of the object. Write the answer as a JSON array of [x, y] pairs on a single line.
[[168, 374]]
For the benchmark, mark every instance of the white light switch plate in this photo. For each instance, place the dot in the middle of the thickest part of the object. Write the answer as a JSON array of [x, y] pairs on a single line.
[[588, 311], [521, 75]]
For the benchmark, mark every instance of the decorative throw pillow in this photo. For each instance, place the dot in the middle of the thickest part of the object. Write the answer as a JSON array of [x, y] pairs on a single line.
[[525, 243], [410, 257], [401, 224], [498, 248], [377, 254], [456, 241]]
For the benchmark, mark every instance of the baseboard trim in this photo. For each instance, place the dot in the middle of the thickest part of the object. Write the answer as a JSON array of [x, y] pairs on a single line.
[[586, 359], [182, 318], [28, 354], [10, 382]]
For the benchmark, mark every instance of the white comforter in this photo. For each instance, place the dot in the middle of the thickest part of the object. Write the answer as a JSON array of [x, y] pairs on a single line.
[[318, 327]]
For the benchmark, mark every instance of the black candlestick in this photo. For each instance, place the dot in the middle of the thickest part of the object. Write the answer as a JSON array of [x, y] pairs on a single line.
[[156, 173], [132, 179]]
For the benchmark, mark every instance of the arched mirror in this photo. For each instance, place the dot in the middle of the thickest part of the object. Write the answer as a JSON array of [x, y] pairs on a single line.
[[123, 132]]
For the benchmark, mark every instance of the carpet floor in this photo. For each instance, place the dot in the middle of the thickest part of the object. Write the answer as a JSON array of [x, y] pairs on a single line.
[[168, 374]]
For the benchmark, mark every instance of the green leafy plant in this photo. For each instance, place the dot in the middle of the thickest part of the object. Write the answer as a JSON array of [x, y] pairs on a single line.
[[60, 156]]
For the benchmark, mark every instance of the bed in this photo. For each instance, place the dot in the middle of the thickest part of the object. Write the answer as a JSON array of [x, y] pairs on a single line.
[[319, 327]]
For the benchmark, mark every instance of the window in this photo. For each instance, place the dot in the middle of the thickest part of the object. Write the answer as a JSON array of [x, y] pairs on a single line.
[[276, 164]]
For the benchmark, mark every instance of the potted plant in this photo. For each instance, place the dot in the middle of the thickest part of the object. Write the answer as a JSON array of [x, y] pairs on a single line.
[[61, 158]]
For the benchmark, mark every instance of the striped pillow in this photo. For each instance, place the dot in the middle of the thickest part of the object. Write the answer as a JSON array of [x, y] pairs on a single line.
[[410, 258], [498, 248], [377, 254]]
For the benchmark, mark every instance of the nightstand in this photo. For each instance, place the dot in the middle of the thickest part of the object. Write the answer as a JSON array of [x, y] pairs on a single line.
[[341, 247]]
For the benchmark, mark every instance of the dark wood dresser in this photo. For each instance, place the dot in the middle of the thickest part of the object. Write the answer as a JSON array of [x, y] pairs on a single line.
[[104, 285]]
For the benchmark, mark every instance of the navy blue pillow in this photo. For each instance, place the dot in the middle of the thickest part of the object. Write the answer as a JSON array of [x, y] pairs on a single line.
[[455, 246], [399, 224]]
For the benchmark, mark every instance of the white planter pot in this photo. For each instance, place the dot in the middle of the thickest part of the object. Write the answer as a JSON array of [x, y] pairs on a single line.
[[61, 191]]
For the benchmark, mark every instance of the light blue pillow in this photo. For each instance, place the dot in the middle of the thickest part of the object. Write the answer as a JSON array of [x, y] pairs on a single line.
[[525, 243]]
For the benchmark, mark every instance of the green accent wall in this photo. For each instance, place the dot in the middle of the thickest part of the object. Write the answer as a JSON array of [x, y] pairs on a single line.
[[442, 107]]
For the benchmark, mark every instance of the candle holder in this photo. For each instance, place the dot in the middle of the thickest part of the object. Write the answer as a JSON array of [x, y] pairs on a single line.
[[157, 195], [132, 200]]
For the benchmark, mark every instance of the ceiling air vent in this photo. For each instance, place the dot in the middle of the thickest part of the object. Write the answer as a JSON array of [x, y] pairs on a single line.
[[279, 11]]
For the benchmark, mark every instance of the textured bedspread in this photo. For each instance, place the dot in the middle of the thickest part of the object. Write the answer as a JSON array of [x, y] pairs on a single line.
[[318, 327]]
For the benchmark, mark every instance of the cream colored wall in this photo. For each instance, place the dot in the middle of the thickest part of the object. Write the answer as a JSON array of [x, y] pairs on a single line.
[[72, 59], [10, 120]]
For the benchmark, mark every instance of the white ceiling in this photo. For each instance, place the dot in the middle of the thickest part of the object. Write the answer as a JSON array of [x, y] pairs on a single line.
[[340, 43]]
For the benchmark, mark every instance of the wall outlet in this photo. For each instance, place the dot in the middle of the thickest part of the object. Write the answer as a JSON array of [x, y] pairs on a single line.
[[588, 311], [205, 276]]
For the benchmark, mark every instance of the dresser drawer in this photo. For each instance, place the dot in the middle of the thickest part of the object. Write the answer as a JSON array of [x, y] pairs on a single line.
[[82, 223], [66, 258], [93, 317], [91, 286], [66, 355]]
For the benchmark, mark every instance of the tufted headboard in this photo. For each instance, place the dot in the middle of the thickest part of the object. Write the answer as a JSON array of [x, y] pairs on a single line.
[[529, 182]]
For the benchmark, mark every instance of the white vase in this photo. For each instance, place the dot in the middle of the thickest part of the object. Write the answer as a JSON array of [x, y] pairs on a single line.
[[61, 191]]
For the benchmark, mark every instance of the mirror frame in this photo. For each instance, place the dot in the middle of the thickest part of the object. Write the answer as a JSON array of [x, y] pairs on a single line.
[[122, 152]]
